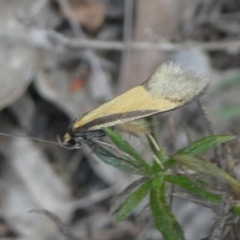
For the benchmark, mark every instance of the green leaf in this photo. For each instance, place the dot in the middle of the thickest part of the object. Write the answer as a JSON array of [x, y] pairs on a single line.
[[133, 200], [236, 209], [204, 144], [202, 183], [164, 219], [198, 147], [117, 162], [208, 169], [127, 148], [156, 167], [186, 183], [169, 163]]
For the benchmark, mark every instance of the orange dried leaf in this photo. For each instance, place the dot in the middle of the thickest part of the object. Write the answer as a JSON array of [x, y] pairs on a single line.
[[77, 84]]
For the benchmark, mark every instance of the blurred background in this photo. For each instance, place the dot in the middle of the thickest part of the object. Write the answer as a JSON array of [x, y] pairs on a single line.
[[60, 59]]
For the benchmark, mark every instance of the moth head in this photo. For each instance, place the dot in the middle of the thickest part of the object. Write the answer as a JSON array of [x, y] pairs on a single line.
[[70, 142]]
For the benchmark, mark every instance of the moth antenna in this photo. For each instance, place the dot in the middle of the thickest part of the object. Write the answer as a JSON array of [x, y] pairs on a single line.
[[32, 138]]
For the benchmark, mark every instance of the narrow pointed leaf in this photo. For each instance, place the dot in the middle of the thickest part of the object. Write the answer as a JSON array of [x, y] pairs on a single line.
[[170, 163], [133, 200], [164, 219], [198, 147], [204, 144], [121, 198], [127, 148], [117, 162], [209, 169], [236, 209], [186, 183]]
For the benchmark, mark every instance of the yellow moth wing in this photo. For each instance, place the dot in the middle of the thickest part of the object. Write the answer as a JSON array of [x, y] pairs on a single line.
[[168, 88], [172, 82], [136, 99]]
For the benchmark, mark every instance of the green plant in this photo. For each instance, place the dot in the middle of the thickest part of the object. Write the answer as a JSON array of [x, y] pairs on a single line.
[[160, 173]]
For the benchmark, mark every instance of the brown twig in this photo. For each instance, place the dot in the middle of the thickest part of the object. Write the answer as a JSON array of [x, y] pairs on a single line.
[[87, 52], [235, 233], [78, 32], [52, 40], [94, 198], [219, 230], [36, 8], [127, 36], [66, 8], [65, 230]]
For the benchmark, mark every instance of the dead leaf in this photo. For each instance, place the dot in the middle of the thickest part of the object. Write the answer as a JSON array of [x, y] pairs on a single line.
[[17, 66], [90, 14]]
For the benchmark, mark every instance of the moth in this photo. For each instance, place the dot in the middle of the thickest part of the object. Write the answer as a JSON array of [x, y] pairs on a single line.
[[170, 87]]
